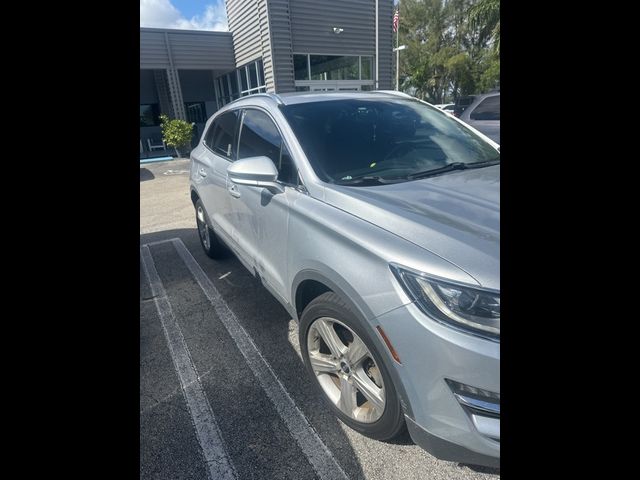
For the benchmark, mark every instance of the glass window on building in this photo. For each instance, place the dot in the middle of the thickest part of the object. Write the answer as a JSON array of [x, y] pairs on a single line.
[[243, 78], [261, 80], [196, 112], [235, 89], [365, 68], [301, 67], [329, 67], [253, 79], [149, 115]]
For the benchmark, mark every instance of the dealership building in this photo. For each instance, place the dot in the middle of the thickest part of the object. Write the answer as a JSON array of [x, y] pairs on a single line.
[[272, 46]]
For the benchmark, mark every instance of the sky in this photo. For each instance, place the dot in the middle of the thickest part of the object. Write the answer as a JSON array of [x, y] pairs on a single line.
[[184, 14]]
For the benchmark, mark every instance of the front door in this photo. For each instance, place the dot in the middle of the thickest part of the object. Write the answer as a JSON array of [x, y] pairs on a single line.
[[261, 217]]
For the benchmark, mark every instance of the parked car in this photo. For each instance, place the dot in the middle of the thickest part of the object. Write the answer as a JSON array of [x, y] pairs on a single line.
[[447, 107], [462, 103], [374, 219], [484, 115]]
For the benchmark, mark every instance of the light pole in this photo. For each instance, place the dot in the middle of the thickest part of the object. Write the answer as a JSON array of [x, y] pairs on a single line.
[[397, 50], [377, 44]]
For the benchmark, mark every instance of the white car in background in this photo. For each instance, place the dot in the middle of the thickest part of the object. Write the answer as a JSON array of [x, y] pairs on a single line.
[[447, 107]]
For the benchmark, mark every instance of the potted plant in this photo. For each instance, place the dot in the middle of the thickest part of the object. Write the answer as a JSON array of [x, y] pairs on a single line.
[[177, 134]]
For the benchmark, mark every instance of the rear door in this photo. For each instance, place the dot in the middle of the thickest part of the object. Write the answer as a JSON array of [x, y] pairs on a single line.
[[220, 144]]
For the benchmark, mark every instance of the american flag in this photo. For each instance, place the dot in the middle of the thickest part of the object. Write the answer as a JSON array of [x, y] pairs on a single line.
[[396, 17]]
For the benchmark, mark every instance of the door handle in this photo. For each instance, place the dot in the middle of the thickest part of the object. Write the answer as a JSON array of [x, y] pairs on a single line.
[[233, 190], [201, 172]]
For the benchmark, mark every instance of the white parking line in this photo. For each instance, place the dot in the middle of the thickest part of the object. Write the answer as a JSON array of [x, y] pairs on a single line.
[[319, 456], [207, 431]]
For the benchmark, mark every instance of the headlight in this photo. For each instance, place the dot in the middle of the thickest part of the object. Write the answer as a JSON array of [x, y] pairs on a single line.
[[466, 307]]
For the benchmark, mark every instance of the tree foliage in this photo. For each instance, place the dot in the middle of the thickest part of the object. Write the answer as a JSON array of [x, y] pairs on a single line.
[[453, 47], [176, 133]]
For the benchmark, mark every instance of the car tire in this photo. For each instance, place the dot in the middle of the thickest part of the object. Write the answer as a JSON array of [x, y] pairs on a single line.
[[329, 313], [210, 242]]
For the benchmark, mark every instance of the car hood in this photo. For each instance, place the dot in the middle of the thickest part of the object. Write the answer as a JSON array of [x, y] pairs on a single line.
[[455, 215]]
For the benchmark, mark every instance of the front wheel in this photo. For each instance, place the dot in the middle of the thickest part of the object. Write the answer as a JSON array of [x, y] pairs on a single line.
[[346, 367]]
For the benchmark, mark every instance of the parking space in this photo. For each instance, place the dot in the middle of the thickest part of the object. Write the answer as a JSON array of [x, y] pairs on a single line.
[[223, 392]]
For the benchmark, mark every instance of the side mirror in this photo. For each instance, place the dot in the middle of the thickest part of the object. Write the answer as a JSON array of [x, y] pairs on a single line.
[[255, 172]]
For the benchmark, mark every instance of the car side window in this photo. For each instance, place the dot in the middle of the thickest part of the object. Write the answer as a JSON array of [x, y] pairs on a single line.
[[488, 109], [220, 136], [260, 136], [208, 137]]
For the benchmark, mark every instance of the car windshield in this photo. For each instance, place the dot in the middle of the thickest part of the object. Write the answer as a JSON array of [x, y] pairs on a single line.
[[385, 139]]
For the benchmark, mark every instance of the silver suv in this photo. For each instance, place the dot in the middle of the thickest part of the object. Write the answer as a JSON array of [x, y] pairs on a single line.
[[374, 218], [483, 114]]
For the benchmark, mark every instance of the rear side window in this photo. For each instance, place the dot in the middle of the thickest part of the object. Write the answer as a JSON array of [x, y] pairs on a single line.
[[260, 137], [488, 109], [220, 135]]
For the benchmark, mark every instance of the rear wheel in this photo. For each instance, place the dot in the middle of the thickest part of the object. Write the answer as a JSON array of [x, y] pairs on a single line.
[[346, 367], [211, 245]]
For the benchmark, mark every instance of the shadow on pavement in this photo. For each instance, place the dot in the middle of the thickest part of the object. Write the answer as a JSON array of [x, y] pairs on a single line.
[[145, 174], [481, 469], [267, 322]]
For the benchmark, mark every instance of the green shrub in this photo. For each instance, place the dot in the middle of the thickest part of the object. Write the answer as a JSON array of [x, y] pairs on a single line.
[[176, 133]]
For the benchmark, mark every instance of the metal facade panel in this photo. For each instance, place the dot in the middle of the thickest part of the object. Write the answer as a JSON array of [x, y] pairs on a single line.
[[280, 51], [386, 42], [312, 24], [204, 50], [191, 50], [244, 23], [153, 51]]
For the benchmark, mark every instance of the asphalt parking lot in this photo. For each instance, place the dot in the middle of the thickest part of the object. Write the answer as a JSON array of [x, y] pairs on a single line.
[[223, 393]]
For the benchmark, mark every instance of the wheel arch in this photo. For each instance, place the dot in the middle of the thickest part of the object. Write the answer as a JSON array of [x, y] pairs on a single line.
[[320, 281], [194, 196]]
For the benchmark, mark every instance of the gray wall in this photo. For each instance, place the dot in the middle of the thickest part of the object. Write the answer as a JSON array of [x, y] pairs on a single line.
[[312, 23], [244, 23], [197, 85], [193, 50], [148, 92], [280, 57]]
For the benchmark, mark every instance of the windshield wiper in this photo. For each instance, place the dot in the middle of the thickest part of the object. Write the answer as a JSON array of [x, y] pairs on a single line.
[[369, 180], [450, 167]]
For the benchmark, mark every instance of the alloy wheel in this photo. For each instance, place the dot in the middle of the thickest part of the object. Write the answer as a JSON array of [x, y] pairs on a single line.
[[203, 229], [346, 370]]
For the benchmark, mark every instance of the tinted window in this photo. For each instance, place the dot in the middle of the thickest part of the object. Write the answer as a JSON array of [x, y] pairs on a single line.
[[149, 115], [348, 139], [196, 112], [259, 136], [219, 137], [488, 109], [243, 78], [300, 67], [365, 73], [253, 80], [328, 67]]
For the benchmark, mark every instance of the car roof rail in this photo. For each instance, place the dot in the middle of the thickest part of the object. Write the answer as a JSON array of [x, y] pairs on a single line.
[[273, 96], [393, 92]]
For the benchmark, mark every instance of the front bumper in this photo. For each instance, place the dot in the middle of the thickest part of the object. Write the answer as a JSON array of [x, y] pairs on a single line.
[[446, 422]]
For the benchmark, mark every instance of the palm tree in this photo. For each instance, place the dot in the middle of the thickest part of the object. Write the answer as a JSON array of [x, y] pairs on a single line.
[[485, 15]]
